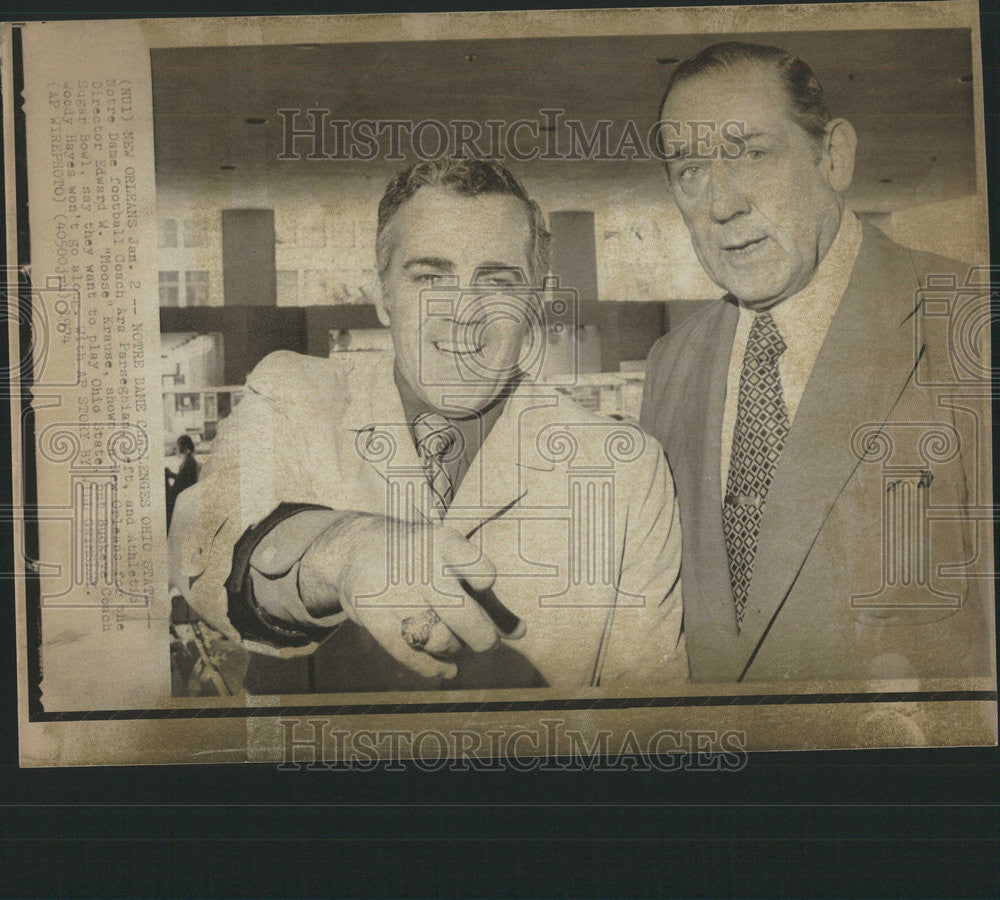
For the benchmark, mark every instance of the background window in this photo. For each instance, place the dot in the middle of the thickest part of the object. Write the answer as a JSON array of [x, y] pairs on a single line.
[[196, 288], [169, 289], [166, 233]]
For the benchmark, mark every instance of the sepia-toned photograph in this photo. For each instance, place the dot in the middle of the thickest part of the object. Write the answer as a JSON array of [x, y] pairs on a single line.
[[598, 380]]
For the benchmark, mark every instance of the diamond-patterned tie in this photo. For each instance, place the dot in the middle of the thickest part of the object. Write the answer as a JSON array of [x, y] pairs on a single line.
[[758, 439], [435, 437]]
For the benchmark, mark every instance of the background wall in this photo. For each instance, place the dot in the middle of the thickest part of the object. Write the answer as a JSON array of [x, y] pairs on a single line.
[[946, 227], [325, 228], [221, 143]]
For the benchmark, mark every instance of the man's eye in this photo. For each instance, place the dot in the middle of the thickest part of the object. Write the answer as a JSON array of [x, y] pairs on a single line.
[[501, 278], [689, 172], [755, 154], [428, 278]]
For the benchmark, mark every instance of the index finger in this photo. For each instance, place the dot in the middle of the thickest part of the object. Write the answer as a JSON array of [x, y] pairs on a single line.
[[461, 559]]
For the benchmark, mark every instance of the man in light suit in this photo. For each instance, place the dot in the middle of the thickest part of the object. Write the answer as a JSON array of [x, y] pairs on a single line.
[[428, 507], [824, 469]]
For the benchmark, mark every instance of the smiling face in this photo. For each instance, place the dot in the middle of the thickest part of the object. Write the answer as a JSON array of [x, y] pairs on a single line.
[[455, 298], [762, 211]]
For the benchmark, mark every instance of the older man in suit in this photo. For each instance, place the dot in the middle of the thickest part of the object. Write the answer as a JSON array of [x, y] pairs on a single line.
[[437, 518], [824, 536]]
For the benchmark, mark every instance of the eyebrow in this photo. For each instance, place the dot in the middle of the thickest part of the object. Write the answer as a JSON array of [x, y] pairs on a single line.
[[488, 268], [674, 157], [430, 262], [686, 152]]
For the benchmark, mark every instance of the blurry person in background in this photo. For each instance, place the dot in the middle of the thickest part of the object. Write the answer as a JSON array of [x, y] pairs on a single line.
[[185, 476]]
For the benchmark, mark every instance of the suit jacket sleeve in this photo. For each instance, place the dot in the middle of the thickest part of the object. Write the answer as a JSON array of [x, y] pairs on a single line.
[[253, 480], [657, 365], [646, 644]]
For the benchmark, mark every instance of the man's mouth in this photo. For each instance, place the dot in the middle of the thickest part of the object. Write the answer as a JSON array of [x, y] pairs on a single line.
[[458, 348], [745, 249]]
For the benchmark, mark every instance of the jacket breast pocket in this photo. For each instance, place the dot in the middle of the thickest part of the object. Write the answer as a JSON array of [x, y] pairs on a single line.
[[902, 535]]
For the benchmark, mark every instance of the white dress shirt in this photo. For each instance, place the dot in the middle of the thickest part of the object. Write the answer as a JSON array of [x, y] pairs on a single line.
[[803, 320]]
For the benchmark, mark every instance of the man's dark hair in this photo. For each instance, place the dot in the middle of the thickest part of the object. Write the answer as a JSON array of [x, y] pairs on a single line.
[[468, 178], [805, 94], [184, 442]]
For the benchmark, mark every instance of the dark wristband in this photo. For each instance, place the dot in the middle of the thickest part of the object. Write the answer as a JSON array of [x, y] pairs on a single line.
[[251, 621]]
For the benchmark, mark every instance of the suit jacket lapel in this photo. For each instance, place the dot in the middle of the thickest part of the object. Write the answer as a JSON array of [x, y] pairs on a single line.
[[382, 437], [864, 363], [706, 576], [496, 476]]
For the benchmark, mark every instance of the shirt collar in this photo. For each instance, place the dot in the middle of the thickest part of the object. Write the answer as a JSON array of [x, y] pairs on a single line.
[[474, 429]]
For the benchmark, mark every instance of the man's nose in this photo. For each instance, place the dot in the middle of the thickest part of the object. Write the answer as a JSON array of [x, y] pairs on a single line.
[[726, 197], [491, 303], [474, 306]]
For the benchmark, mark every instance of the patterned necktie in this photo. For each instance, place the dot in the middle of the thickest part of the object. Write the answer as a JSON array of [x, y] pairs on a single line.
[[758, 439], [435, 438]]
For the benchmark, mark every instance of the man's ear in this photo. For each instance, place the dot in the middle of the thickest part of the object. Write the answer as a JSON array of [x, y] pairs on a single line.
[[840, 144]]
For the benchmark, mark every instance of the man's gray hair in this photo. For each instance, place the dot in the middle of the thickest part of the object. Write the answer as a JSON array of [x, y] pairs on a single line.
[[468, 178]]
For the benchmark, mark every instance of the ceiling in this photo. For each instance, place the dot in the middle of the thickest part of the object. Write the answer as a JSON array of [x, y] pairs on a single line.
[[908, 93]]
